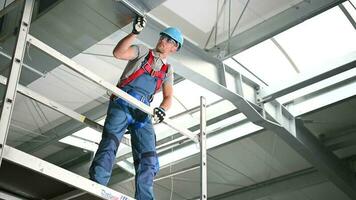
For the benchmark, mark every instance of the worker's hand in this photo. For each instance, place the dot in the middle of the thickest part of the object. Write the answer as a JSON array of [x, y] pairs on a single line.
[[138, 24], [159, 114]]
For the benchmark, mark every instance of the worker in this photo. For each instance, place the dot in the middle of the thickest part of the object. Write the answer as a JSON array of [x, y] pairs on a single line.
[[146, 73]]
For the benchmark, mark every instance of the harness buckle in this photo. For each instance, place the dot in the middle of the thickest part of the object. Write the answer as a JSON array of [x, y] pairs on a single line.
[[153, 73]]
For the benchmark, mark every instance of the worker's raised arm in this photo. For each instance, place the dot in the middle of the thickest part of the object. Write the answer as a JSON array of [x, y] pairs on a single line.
[[123, 50]]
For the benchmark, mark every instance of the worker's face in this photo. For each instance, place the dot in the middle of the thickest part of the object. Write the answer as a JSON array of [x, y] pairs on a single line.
[[166, 45]]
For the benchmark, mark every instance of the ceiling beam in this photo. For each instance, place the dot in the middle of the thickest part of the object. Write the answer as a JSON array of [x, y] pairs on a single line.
[[141, 7], [272, 26], [348, 15], [337, 67]]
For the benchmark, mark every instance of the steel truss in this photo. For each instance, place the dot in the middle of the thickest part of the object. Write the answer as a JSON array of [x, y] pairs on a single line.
[[264, 111]]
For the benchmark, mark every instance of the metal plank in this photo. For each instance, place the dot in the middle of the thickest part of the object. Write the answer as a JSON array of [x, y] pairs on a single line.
[[61, 174], [10, 94]]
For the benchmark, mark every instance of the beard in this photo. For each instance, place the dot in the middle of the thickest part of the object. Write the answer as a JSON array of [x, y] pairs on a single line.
[[159, 48]]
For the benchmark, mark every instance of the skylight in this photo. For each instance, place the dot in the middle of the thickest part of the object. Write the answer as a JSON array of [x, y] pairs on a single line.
[[316, 41], [267, 62], [306, 47]]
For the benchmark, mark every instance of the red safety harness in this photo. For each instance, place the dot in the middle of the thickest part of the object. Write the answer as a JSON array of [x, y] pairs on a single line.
[[160, 75], [147, 67]]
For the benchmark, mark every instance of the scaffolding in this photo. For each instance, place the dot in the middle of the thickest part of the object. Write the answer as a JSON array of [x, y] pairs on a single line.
[[265, 112], [46, 168]]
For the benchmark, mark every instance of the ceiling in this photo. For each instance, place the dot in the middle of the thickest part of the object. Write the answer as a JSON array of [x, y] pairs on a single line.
[[244, 161]]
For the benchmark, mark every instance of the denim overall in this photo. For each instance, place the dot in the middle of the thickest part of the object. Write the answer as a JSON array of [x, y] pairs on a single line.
[[143, 139]]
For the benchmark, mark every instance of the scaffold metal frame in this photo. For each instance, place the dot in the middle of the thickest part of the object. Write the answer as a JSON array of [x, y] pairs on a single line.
[[203, 151], [105, 84], [58, 173], [266, 112], [15, 71], [60, 108], [13, 86]]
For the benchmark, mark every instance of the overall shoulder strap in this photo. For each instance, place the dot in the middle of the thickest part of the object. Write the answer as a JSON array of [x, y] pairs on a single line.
[[161, 75], [146, 67]]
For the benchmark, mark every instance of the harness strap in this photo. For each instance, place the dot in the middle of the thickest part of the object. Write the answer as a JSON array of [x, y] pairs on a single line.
[[147, 67], [162, 72], [139, 72]]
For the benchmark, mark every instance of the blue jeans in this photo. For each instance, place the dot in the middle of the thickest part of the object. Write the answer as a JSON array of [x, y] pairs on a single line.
[[143, 142]]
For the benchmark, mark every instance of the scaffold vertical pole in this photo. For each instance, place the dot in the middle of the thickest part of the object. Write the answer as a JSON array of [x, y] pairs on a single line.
[[15, 72], [203, 152]]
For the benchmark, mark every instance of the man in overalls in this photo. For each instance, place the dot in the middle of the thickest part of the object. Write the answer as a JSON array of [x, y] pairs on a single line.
[[146, 73]]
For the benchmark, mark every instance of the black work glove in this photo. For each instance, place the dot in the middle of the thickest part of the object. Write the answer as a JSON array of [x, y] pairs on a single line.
[[138, 24], [159, 114]]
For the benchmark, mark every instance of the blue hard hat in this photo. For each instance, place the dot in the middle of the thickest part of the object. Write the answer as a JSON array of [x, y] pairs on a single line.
[[175, 34]]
